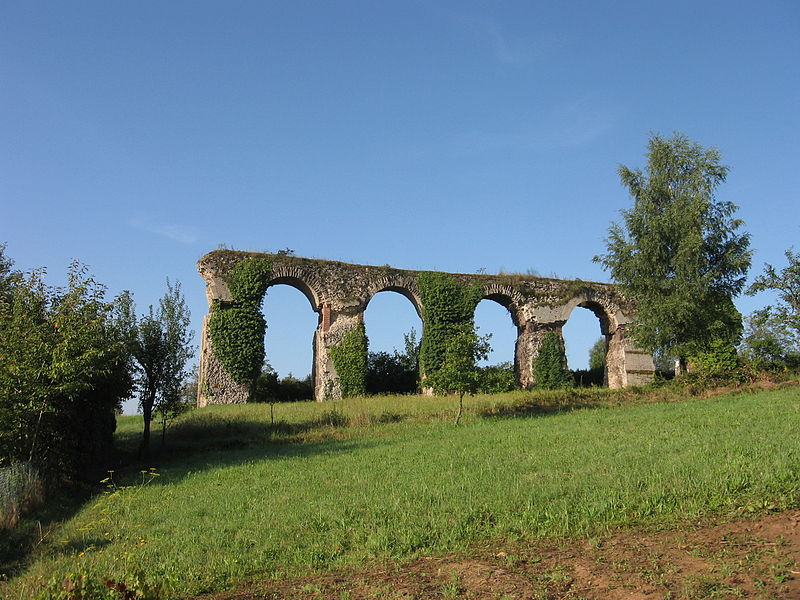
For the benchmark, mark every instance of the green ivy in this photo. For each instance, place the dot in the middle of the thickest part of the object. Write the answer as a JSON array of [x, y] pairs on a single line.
[[237, 327], [447, 304], [550, 366], [350, 361]]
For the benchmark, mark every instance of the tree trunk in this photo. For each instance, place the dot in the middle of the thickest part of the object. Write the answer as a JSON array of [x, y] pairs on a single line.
[[147, 415], [460, 407]]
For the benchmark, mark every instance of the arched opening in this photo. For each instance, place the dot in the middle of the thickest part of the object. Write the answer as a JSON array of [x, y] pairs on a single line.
[[288, 342], [586, 343], [394, 330], [493, 316]]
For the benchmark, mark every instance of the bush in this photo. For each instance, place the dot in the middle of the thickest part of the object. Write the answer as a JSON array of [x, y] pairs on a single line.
[[268, 388], [589, 377], [64, 370], [496, 379], [390, 374]]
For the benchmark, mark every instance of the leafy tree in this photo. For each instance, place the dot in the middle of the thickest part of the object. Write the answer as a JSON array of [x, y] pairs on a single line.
[[457, 372], [787, 284], [160, 343], [550, 366], [769, 341], [597, 354], [679, 252], [63, 372]]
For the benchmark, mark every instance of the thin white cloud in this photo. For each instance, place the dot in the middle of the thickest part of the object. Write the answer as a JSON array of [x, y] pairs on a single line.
[[572, 124], [178, 233]]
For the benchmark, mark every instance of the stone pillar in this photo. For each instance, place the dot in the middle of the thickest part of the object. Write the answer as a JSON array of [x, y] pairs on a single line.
[[529, 339], [625, 363], [334, 323], [214, 385]]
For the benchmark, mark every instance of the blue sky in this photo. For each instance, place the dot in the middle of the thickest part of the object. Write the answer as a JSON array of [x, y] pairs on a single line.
[[426, 135]]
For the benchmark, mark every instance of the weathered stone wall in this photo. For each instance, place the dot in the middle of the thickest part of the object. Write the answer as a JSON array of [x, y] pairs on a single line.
[[339, 293]]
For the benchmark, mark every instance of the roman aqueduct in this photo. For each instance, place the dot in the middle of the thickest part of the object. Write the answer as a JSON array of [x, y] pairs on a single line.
[[339, 294]]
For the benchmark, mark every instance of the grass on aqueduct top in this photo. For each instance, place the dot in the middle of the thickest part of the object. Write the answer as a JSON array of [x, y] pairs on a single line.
[[238, 499]]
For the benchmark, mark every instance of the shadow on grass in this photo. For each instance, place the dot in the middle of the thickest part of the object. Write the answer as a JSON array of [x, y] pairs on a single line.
[[197, 444], [37, 528], [536, 409]]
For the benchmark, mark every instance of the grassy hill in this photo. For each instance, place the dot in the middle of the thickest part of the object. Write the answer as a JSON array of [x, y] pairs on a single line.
[[238, 495]]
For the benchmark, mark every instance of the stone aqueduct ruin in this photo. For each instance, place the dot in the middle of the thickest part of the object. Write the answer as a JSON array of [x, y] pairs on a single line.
[[339, 293]]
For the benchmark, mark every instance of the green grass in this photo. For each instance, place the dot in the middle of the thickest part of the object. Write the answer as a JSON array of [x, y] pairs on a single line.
[[239, 499]]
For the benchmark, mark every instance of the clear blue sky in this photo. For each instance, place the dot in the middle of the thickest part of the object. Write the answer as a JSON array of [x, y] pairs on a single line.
[[136, 136]]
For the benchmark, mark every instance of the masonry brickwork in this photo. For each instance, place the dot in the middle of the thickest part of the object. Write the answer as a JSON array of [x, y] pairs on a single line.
[[340, 292]]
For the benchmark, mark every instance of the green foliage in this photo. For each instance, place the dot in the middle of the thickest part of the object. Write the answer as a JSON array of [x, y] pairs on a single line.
[[237, 335], [550, 366], [496, 379], [396, 373], [589, 377], [717, 360], [679, 254], [248, 281], [350, 361], [237, 327], [769, 342], [457, 372], [597, 354], [269, 388], [787, 284], [160, 343], [64, 369], [447, 304]]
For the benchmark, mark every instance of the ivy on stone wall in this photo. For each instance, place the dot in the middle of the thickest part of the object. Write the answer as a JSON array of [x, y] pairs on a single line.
[[550, 365], [350, 361], [237, 327], [447, 304]]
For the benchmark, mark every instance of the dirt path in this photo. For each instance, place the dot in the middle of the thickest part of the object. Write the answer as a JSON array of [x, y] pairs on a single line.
[[740, 559]]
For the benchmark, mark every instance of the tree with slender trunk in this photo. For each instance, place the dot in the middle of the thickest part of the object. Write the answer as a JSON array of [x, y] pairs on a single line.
[[679, 252], [160, 344]]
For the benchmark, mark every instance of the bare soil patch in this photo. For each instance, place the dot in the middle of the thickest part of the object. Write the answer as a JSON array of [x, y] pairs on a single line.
[[752, 558]]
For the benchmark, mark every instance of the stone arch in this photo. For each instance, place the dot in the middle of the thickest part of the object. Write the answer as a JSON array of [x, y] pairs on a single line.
[[404, 287], [506, 297], [307, 283], [512, 301]]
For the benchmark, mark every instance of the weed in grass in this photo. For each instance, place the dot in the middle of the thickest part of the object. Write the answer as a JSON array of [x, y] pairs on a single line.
[[452, 588]]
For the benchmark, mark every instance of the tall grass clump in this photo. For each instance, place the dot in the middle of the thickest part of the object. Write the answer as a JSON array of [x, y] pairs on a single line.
[[20, 491]]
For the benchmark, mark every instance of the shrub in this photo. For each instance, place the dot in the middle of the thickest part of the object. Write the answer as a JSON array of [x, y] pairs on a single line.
[[496, 379]]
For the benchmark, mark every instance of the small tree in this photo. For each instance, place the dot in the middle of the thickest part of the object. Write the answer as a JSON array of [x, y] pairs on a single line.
[[160, 343], [458, 373], [787, 284], [679, 253], [550, 367]]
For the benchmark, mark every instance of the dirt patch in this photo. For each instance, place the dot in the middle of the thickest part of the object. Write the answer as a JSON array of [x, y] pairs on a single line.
[[740, 559]]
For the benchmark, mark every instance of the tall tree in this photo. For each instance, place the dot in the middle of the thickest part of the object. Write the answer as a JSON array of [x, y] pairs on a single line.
[[160, 344], [679, 252]]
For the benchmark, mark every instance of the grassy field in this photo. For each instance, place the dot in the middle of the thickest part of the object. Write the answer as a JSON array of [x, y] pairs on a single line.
[[235, 497]]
